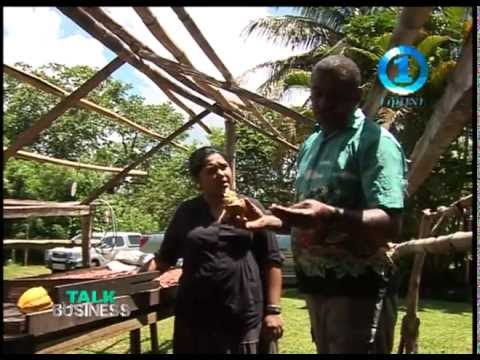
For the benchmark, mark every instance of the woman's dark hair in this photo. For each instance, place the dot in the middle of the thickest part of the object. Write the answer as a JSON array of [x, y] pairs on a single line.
[[197, 160]]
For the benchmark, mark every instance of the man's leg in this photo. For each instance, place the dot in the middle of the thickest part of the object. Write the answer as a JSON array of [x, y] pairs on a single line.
[[386, 329], [315, 304]]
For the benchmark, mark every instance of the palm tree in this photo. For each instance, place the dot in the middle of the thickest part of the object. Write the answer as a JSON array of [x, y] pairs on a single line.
[[317, 30]]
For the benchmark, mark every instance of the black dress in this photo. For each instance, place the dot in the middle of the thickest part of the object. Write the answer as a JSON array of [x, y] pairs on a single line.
[[219, 305]]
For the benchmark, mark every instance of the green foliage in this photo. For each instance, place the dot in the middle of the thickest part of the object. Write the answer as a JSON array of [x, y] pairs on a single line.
[[87, 137]]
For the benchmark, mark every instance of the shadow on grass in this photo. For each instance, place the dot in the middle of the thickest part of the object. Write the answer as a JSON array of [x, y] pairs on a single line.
[[292, 293], [447, 307], [164, 347]]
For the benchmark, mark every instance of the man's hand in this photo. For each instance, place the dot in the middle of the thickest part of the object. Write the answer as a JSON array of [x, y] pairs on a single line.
[[272, 327], [307, 213]]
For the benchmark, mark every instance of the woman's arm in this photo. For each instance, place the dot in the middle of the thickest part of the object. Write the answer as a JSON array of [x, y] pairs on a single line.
[[272, 321]]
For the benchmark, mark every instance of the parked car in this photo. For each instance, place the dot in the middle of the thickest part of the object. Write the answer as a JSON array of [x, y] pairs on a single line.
[[288, 269], [62, 258], [150, 243]]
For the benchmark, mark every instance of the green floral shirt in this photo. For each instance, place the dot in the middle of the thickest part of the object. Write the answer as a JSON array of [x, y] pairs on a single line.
[[360, 167]]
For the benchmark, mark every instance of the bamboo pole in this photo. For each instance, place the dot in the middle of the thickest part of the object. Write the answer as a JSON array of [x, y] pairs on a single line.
[[452, 209], [460, 241], [230, 140], [28, 136], [240, 92], [175, 69], [93, 28], [410, 322], [202, 42], [135, 45], [71, 164], [161, 35], [44, 85], [117, 178]]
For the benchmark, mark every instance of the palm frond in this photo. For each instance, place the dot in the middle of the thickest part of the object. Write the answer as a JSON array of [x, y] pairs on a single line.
[[428, 45], [296, 32], [296, 78]]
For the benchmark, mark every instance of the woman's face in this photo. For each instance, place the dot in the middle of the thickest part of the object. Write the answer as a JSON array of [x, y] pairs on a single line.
[[216, 175]]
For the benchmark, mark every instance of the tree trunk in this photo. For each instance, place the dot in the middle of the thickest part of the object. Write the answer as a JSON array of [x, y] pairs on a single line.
[[230, 139], [409, 24], [452, 112]]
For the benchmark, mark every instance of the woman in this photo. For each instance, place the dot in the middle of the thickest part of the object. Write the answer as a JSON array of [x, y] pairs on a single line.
[[221, 305]]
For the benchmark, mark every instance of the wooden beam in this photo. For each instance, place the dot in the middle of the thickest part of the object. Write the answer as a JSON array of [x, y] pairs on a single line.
[[94, 28], [460, 241], [89, 336], [71, 164], [81, 16], [16, 202], [241, 92], [161, 35], [117, 178], [262, 131], [18, 212], [86, 222], [106, 21], [452, 209], [202, 42], [230, 140], [44, 85], [28, 136]]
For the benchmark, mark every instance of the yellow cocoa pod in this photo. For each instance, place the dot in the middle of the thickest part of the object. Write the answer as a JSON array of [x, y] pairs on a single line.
[[34, 299]]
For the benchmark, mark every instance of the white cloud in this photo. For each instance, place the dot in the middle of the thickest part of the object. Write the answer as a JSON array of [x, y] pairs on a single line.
[[34, 36]]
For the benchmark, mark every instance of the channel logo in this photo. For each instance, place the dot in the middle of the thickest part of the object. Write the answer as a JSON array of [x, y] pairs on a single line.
[[402, 83]]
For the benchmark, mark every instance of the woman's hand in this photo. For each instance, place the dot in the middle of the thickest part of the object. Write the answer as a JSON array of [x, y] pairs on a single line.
[[272, 326], [150, 265], [257, 220]]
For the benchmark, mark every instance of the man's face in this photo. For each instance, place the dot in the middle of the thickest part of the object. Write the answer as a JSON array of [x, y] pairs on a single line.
[[332, 100]]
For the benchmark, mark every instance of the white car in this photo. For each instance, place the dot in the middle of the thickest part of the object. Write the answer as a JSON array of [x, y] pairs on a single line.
[[150, 243], [111, 245]]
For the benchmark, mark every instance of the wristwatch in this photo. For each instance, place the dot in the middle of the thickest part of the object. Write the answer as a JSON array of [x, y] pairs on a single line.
[[271, 309]]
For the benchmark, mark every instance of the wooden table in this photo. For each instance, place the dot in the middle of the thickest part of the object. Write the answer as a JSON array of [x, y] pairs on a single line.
[[41, 332]]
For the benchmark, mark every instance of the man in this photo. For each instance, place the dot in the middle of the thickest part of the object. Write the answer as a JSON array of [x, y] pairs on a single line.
[[350, 188]]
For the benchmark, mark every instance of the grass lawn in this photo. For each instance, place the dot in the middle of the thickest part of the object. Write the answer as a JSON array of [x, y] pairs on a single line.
[[446, 327]]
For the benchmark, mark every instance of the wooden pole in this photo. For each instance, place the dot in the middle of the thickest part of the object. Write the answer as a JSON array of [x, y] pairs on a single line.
[[106, 21], [161, 35], [97, 31], [154, 337], [230, 140], [44, 85], [28, 136], [86, 222], [135, 344], [202, 42], [117, 178], [460, 241], [410, 322], [71, 164], [93, 28]]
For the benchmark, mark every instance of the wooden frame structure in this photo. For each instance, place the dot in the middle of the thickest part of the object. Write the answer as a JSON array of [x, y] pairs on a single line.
[[206, 91]]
